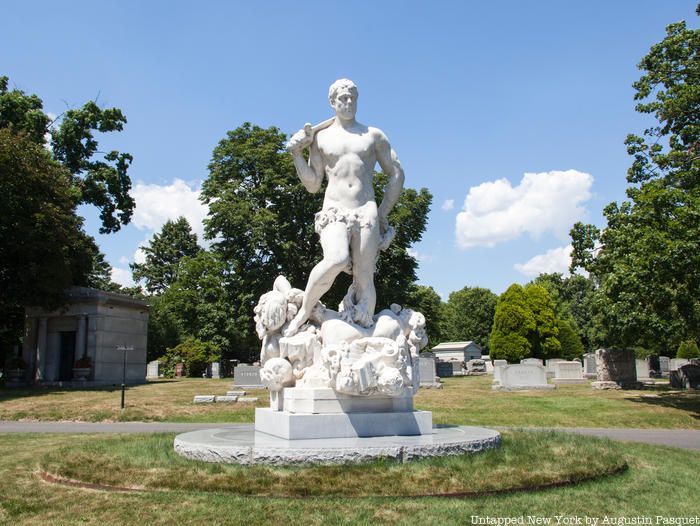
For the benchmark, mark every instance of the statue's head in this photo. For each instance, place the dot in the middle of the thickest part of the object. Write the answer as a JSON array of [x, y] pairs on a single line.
[[342, 96]]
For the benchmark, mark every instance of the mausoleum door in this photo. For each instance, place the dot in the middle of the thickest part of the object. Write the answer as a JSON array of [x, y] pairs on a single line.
[[66, 355]]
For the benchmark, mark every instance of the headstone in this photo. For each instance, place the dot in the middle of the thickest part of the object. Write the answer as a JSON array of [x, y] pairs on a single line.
[[244, 399], [153, 369], [226, 399], [687, 377], [248, 376], [532, 361], [488, 362], [664, 365], [235, 393], [215, 370], [443, 369], [179, 370], [616, 369], [457, 368], [549, 366], [589, 365], [427, 373], [677, 363], [521, 376], [476, 367], [204, 399], [497, 364], [568, 373], [642, 368]]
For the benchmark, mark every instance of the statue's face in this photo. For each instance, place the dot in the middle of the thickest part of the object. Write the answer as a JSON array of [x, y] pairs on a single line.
[[345, 104]]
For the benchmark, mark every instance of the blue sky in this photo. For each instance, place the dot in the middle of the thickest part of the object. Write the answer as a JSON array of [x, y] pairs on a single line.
[[473, 96]]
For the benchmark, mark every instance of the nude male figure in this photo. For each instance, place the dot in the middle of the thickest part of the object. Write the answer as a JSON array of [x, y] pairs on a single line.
[[351, 226]]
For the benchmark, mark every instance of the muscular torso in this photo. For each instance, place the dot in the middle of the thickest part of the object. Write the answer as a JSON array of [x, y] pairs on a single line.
[[348, 158]]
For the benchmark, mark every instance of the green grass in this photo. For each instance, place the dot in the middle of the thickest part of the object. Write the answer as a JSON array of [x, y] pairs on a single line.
[[470, 401], [148, 461], [659, 481], [464, 401]]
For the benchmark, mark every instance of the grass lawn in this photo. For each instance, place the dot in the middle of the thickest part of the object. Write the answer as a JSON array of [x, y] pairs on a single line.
[[464, 401], [660, 481]]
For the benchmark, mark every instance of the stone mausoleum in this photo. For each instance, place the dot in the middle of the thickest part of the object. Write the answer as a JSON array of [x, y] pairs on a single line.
[[92, 323]]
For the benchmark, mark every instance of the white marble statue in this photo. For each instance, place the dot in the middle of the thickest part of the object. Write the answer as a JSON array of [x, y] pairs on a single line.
[[352, 350], [351, 226]]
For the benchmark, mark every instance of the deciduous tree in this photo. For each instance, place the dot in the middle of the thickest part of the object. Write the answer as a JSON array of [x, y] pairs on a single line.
[[163, 254], [469, 316], [647, 259]]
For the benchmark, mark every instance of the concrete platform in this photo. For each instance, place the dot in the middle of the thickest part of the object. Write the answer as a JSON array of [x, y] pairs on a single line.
[[298, 426], [243, 445]]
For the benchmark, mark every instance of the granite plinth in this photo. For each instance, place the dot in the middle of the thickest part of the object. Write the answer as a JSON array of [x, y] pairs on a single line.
[[241, 444], [326, 400], [299, 426]]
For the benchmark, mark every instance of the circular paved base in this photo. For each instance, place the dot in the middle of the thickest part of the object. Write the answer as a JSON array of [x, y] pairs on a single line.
[[240, 444]]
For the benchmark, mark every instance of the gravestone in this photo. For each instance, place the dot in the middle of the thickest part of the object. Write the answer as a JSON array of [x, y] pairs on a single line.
[[532, 361], [642, 368], [457, 368], [488, 362], [616, 369], [247, 376], [476, 368], [521, 376], [153, 369], [427, 373], [664, 365], [589, 365], [549, 366], [443, 369], [497, 364], [687, 377], [568, 373], [677, 363], [179, 370], [215, 369]]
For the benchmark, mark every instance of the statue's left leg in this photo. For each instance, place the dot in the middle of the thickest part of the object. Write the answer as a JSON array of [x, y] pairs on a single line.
[[365, 246]]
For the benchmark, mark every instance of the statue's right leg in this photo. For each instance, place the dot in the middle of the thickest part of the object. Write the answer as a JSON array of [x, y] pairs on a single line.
[[335, 242]]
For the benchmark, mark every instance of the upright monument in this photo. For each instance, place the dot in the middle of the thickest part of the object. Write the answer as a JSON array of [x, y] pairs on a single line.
[[341, 381], [349, 372]]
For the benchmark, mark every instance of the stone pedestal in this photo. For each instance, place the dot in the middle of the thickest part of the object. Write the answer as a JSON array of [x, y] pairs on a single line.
[[326, 400], [299, 426], [303, 413]]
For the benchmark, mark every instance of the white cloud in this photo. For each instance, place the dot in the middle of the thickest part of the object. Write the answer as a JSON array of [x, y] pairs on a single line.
[[155, 204], [554, 260], [123, 260], [496, 211], [449, 204], [122, 276], [420, 256]]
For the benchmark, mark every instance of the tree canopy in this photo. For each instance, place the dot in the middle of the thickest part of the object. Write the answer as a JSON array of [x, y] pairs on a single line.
[[103, 182], [43, 249], [163, 254], [647, 259], [468, 315]]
